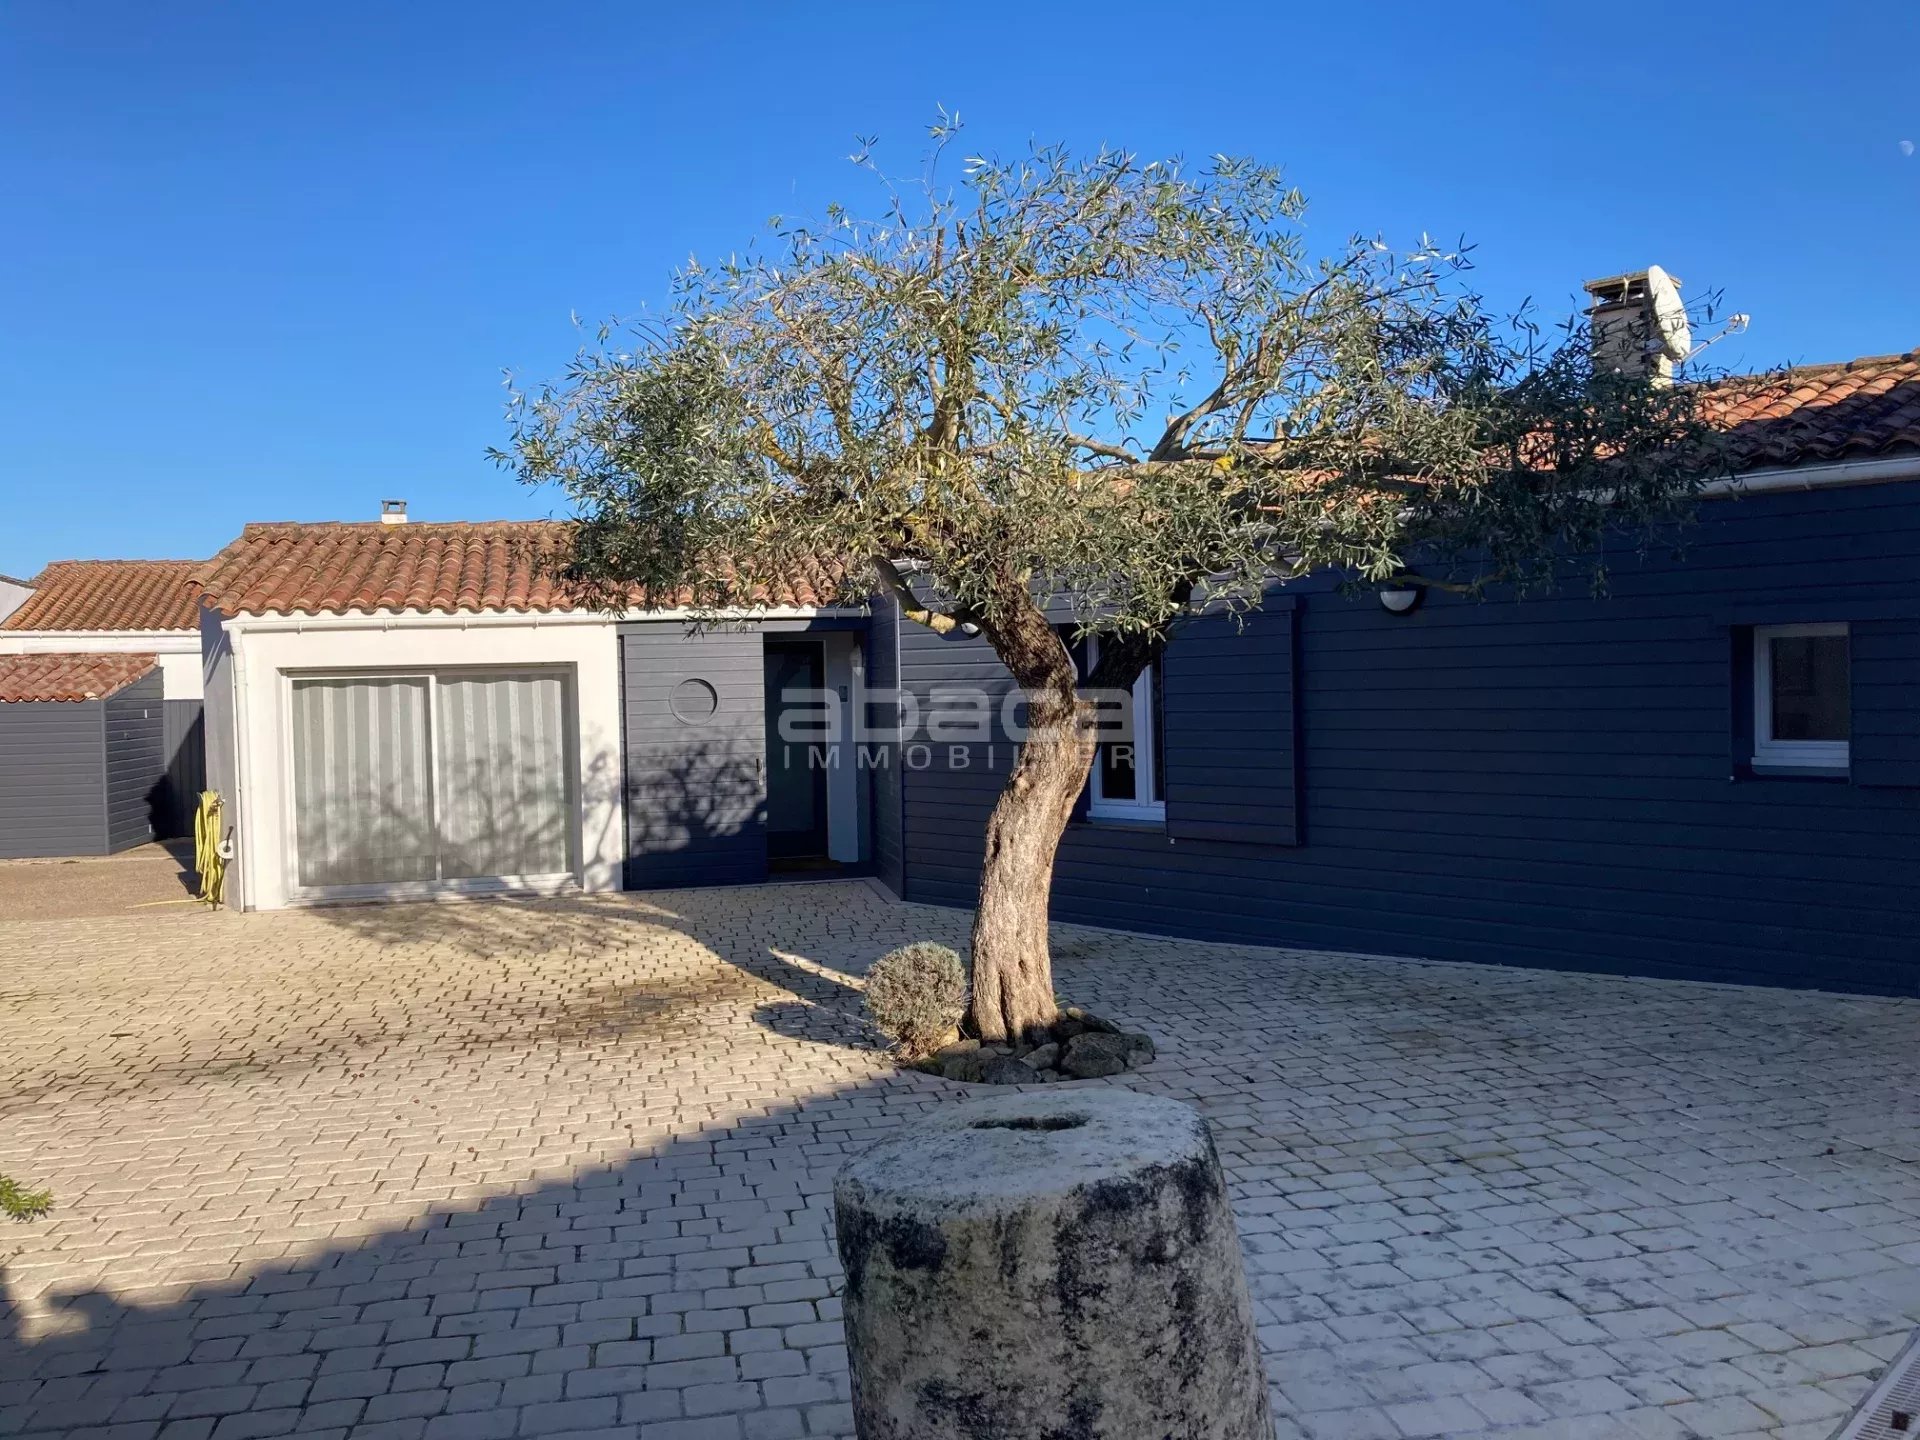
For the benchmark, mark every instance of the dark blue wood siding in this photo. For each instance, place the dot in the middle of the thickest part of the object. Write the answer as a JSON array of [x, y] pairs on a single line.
[[136, 764], [1886, 701], [186, 752], [1549, 782], [883, 674], [695, 788], [53, 781], [1231, 690]]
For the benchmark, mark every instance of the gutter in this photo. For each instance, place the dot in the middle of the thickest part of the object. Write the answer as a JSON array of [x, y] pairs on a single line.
[[1814, 477], [106, 642], [276, 623]]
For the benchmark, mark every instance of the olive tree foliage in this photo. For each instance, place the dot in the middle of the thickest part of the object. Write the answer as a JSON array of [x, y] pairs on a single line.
[[1098, 386]]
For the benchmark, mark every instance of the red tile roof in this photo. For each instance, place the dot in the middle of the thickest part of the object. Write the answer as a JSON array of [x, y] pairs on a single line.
[[66, 676], [336, 567], [1864, 409], [111, 595]]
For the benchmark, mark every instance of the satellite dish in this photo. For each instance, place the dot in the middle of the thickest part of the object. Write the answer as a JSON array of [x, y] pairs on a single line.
[[1674, 339]]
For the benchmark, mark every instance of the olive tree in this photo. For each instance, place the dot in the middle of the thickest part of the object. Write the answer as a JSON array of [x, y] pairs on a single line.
[[1098, 387]]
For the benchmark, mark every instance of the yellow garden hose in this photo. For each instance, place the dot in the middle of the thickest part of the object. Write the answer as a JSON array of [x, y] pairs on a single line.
[[208, 860]]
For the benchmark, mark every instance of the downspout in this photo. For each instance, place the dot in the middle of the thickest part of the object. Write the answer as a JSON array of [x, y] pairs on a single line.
[[242, 748]]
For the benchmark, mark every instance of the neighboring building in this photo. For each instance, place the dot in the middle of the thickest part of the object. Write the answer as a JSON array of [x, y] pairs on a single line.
[[82, 753], [396, 709], [1713, 773], [13, 594], [148, 607]]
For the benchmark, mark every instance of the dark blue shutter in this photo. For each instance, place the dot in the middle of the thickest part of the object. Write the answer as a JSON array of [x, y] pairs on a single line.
[[1232, 714], [1740, 694], [1885, 658]]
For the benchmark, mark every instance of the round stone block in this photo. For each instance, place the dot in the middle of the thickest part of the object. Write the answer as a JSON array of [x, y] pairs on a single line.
[[1060, 1265]]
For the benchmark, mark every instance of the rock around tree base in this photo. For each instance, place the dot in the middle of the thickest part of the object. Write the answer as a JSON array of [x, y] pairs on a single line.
[[1079, 1046], [1048, 1264]]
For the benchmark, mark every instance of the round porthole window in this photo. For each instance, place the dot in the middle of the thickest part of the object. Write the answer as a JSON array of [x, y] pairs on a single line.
[[694, 701]]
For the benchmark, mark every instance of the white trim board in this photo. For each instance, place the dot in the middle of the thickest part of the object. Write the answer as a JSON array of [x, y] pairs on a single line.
[[91, 640]]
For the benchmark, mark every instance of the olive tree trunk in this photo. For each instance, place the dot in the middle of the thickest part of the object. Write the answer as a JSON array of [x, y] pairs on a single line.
[[1012, 966]]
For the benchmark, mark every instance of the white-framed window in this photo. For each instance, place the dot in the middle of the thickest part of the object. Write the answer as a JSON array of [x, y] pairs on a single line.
[[1802, 707], [1128, 772]]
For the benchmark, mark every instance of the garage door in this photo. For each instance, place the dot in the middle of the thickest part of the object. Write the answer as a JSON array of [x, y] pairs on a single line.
[[451, 779]]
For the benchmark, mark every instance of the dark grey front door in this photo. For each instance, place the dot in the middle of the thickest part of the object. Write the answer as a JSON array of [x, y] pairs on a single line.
[[796, 780]]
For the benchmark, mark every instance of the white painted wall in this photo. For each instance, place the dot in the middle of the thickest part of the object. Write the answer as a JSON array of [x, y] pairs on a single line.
[[267, 650], [13, 594], [180, 674], [178, 651]]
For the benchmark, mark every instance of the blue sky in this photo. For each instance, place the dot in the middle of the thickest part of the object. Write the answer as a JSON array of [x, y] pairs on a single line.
[[268, 261]]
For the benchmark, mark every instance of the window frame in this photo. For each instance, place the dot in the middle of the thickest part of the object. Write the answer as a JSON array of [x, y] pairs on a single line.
[[1145, 757], [1826, 757]]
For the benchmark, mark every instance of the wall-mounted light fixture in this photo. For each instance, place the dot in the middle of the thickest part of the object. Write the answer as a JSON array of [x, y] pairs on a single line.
[[1402, 599]]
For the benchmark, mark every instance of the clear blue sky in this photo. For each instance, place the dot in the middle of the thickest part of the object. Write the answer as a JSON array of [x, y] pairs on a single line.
[[267, 261]]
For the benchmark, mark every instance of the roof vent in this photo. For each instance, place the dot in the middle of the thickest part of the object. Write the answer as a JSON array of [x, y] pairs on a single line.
[[393, 512]]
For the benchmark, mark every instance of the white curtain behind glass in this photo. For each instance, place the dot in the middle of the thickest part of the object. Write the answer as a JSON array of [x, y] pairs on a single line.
[[361, 778], [502, 795]]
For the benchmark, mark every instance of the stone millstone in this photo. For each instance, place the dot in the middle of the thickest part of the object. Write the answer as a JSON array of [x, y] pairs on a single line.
[[1058, 1264]]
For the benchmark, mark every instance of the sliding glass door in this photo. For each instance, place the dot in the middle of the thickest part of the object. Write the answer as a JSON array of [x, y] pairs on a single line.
[[502, 776], [363, 802], [419, 779]]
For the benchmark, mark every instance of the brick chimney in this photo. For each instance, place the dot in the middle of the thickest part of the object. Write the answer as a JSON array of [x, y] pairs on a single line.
[[1626, 336]]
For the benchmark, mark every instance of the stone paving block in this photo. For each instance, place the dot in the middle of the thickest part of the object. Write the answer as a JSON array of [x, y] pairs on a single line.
[[403, 1404], [224, 1400], [560, 1415], [773, 1425], [710, 1427], [533, 1389], [699, 1346], [351, 1384], [329, 1413]]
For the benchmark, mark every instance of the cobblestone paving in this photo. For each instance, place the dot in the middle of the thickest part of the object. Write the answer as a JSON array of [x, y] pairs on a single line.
[[495, 1169]]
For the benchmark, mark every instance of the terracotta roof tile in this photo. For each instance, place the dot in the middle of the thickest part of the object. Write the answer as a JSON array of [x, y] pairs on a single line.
[[1864, 409], [111, 595], [66, 676], [450, 568]]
